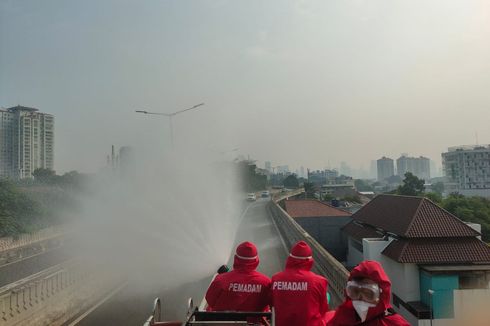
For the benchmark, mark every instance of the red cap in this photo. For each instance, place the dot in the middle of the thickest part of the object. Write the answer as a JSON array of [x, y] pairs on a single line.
[[246, 250], [301, 250]]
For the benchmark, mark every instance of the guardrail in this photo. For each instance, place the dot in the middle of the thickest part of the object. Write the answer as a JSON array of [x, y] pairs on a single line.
[[325, 263], [56, 296], [20, 302], [9, 243]]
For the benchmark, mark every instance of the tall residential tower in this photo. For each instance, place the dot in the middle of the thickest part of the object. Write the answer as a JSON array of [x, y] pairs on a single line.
[[385, 168], [26, 141], [418, 166]]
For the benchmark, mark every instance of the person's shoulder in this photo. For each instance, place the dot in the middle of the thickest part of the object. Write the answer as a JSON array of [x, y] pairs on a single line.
[[319, 278], [224, 276]]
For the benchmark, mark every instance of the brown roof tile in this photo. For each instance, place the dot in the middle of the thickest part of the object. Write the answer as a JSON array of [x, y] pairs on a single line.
[[312, 208], [360, 232], [469, 250], [412, 217]]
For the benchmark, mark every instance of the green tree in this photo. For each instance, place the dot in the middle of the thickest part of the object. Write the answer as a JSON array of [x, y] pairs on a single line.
[[470, 209], [438, 187], [309, 189], [363, 185], [412, 186], [291, 181], [435, 197], [18, 212], [42, 175]]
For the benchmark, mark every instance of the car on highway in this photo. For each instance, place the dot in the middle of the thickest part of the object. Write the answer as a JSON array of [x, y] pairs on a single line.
[[251, 197], [265, 194]]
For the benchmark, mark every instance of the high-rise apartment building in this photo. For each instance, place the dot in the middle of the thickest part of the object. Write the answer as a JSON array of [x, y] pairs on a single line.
[[385, 168], [268, 166], [467, 169], [26, 141], [418, 166]]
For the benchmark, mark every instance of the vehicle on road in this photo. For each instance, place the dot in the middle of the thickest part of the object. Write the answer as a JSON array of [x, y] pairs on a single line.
[[251, 197], [265, 194]]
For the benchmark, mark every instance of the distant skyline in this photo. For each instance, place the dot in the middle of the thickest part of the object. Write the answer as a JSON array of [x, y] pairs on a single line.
[[302, 83]]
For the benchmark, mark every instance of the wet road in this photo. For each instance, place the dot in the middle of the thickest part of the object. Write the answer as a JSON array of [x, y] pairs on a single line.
[[255, 226], [25, 267]]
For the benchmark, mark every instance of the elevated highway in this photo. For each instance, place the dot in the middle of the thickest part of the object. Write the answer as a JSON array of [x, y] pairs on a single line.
[[265, 224], [126, 308], [114, 302]]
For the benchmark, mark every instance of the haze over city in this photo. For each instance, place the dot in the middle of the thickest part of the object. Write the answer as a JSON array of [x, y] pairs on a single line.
[[328, 81]]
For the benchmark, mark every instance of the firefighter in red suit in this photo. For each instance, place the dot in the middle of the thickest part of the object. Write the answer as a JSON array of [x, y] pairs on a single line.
[[367, 300], [299, 296], [242, 289]]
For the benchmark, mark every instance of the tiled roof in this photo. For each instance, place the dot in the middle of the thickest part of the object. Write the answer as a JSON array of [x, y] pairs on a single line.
[[469, 250], [359, 232], [412, 217], [312, 208]]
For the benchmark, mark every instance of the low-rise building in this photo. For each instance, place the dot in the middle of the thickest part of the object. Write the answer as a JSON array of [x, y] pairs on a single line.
[[323, 222], [437, 263]]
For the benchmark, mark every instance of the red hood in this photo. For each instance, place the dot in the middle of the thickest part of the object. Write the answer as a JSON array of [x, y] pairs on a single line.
[[245, 264], [302, 264], [373, 270]]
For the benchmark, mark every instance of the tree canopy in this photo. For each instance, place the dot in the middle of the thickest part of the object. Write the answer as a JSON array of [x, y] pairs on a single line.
[[470, 209], [412, 186], [291, 181], [363, 185], [309, 189], [18, 212]]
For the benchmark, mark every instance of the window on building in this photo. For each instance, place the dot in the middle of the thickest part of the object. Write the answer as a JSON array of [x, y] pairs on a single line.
[[475, 280]]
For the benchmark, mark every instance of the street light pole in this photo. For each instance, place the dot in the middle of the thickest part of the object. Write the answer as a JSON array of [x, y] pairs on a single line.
[[170, 116], [431, 292]]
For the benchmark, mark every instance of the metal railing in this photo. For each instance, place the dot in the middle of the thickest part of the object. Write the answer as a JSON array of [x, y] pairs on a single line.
[[9, 243], [325, 263], [15, 304]]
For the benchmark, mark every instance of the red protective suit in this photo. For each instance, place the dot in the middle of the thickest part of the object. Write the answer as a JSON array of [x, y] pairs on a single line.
[[299, 296], [345, 314], [242, 289]]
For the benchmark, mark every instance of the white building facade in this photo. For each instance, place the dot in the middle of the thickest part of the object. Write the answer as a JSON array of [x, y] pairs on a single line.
[[26, 142], [418, 166], [467, 169]]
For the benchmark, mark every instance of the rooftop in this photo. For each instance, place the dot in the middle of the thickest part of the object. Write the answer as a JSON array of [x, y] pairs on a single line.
[[360, 232], [312, 208], [468, 148], [412, 217], [439, 251], [422, 232], [22, 108]]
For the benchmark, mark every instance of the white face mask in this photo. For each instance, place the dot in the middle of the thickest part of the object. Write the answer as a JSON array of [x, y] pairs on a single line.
[[362, 308]]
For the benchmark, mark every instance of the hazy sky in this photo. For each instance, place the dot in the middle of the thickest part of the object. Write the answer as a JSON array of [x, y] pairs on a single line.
[[294, 82]]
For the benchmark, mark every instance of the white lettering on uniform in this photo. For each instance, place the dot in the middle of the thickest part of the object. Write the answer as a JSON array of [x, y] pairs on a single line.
[[290, 286], [247, 288]]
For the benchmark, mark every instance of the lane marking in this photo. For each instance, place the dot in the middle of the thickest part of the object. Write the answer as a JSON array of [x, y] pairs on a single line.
[[98, 304]]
